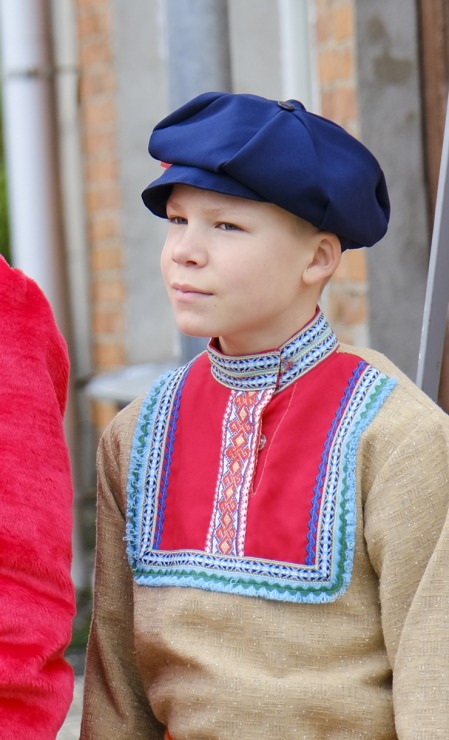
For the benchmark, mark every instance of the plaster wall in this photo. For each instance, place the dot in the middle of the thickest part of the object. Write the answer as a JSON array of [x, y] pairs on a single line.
[[139, 43], [390, 124], [255, 47]]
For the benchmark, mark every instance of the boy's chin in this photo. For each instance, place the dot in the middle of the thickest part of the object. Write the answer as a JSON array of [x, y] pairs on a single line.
[[190, 331]]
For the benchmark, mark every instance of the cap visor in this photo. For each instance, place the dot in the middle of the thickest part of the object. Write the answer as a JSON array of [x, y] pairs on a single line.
[[155, 196]]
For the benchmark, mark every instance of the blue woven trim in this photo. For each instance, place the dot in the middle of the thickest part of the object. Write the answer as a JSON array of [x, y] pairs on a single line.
[[173, 420], [145, 458], [320, 479], [281, 367], [325, 576], [308, 361], [381, 389]]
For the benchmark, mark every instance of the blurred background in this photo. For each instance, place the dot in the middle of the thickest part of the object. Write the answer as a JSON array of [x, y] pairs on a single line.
[[83, 84]]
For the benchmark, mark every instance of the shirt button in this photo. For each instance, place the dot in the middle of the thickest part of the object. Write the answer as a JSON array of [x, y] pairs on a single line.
[[262, 442]]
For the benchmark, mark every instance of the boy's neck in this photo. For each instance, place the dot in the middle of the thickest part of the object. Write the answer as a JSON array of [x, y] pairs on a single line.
[[260, 349]]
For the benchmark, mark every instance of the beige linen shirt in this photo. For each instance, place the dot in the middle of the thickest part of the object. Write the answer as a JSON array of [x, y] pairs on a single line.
[[372, 664]]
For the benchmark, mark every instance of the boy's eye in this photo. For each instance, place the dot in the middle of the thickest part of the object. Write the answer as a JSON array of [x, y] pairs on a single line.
[[177, 220], [228, 227]]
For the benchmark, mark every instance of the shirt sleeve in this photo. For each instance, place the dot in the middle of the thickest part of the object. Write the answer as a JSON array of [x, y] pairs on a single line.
[[407, 534], [115, 704], [37, 598]]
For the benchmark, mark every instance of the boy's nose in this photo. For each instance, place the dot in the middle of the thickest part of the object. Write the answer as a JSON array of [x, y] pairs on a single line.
[[189, 247]]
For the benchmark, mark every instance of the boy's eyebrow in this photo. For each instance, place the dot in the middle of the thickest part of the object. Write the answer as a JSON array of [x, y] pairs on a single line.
[[209, 210]]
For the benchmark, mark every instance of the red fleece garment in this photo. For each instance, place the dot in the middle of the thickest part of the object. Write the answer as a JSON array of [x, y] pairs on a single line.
[[37, 598]]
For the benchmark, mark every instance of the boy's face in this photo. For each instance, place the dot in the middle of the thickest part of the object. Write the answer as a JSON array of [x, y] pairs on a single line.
[[233, 269]]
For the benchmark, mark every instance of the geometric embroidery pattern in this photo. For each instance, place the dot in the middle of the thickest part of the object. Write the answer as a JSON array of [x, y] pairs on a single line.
[[240, 439]]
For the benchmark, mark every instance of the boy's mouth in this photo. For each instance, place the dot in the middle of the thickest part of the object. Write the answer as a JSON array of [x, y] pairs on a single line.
[[187, 289]]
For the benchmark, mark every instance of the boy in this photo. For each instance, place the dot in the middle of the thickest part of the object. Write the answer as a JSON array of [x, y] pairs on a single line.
[[285, 497]]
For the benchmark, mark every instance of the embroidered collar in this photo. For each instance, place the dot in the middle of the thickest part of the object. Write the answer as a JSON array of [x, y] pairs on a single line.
[[278, 367]]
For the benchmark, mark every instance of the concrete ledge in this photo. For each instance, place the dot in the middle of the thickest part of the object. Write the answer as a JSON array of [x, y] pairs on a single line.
[[124, 385]]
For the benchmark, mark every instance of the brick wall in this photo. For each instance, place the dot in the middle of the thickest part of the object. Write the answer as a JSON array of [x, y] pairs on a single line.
[[346, 299], [102, 194]]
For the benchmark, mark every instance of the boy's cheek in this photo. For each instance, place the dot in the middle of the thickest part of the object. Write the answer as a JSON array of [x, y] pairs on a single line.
[[164, 266], [162, 261]]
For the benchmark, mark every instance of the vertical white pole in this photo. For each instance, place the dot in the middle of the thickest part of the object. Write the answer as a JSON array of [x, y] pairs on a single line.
[[299, 78], [29, 146]]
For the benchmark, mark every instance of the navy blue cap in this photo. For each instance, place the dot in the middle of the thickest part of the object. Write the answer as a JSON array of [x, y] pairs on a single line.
[[276, 152]]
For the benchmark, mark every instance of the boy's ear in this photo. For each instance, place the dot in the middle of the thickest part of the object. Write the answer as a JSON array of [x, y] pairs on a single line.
[[325, 259]]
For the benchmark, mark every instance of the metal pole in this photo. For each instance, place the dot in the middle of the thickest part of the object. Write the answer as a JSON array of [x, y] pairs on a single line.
[[198, 46], [198, 61], [79, 427], [437, 293]]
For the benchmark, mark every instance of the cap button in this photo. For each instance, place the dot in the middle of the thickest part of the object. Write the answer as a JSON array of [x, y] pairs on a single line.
[[286, 105]]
